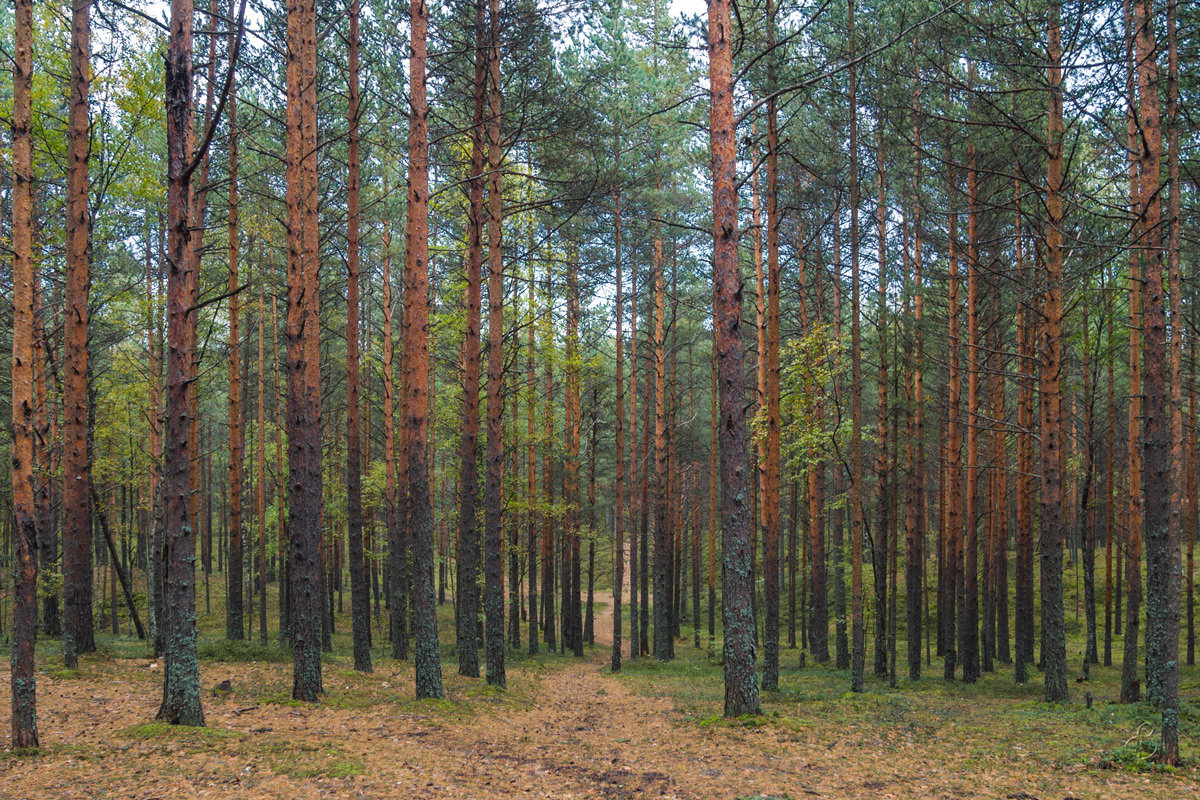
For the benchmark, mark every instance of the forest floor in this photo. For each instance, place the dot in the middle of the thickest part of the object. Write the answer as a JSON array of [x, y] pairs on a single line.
[[568, 728]]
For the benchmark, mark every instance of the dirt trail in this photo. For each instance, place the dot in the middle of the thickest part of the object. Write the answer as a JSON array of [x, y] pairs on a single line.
[[585, 735]]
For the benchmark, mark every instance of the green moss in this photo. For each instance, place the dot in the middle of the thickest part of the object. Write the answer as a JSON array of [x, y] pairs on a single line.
[[299, 760], [1136, 757], [66, 674], [161, 730], [243, 652]]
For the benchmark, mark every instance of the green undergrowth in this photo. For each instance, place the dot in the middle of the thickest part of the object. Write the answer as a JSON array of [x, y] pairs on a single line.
[[994, 721]]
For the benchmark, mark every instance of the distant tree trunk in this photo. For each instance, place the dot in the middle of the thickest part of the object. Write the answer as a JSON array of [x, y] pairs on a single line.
[[838, 521], [237, 442], [260, 489], [1193, 510], [572, 627], [968, 619], [494, 489], [24, 403], [181, 673], [303, 353], [644, 505], [1087, 517], [1131, 691], [770, 500], [466, 607], [741, 679], [713, 482], [635, 466], [46, 430], [1110, 500], [285, 632], [589, 618], [914, 522], [1023, 578], [857, 495], [818, 621], [548, 459], [619, 484], [397, 600], [954, 505], [1000, 509], [662, 531], [879, 557], [426, 659], [360, 599], [531, 456], [1054, 643], [513, 527], [78, 634]]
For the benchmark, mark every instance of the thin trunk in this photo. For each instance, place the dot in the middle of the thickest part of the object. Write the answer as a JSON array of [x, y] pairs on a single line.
[[968, 619], [914, 528], [619, 485], [636, 465], [954, 499], [360, 600], [857, 494], [396, 599], [1131, 691], [659, 484], [770, 499], [237, 446], [879, 559], [466, 606], [531, 455]]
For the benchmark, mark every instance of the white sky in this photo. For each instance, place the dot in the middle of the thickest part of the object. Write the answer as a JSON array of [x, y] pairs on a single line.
[[689, 7]]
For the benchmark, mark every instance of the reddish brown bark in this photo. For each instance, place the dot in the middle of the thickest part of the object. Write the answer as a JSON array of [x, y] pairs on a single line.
[[23, 682], [303, 355], [78, 634], [1054, 643], [427, 659], [741, 678]]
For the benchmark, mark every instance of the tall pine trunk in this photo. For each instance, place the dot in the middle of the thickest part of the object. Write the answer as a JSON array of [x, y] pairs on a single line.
[[741, 679], [24, 403], [181, 671], [78, 633]]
